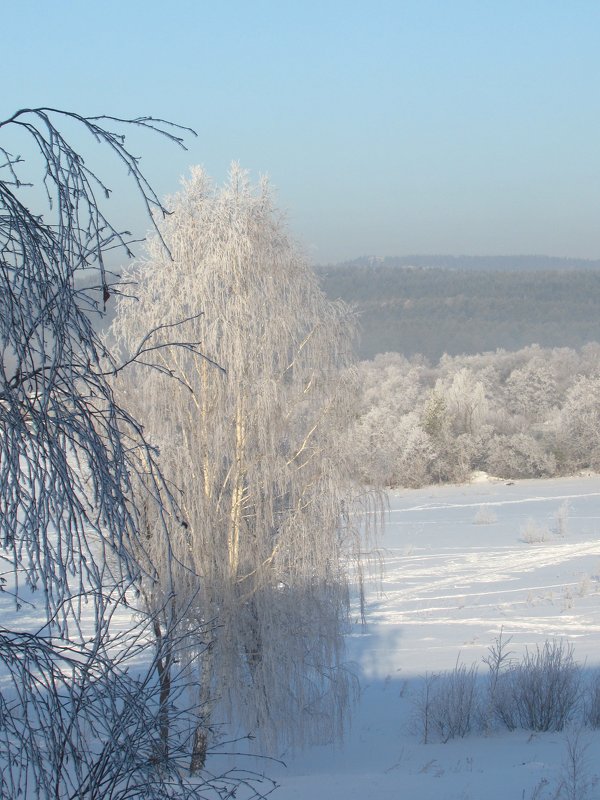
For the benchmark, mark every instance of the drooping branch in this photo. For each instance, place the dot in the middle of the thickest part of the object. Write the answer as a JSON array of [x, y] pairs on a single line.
[[70, 455]]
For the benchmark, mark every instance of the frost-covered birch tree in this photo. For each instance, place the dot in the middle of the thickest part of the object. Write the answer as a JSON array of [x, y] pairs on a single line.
[[251, 439]]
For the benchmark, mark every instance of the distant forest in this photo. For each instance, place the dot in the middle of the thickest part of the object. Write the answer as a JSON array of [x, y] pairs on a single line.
[[432, 305]]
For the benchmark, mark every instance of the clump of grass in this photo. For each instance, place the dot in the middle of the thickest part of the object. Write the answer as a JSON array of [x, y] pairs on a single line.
[[561, 519], [484, 516]]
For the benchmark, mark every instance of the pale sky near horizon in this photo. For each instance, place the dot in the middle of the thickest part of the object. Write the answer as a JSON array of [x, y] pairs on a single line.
[[387, 128]]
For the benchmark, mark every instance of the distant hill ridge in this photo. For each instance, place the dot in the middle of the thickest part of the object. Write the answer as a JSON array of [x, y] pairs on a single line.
[[472, 304], [484, 263]]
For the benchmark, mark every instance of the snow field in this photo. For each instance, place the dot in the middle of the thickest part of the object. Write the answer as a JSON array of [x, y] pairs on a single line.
[[451, 583], [460, 565]]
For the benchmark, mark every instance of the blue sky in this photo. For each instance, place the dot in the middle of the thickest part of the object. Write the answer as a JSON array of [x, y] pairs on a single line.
[[387, 128]]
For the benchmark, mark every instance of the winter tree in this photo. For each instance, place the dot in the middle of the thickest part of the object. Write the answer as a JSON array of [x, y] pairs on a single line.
[[578, 425], [532, 390], [465, 401], [74, 720], [390, 450], [451, 459], [250, 435], [519, 455]]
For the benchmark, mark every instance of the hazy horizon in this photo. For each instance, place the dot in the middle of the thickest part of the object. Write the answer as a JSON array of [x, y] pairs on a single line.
[[544, 259]]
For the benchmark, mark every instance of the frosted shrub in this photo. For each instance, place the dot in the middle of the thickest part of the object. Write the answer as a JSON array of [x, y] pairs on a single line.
[[575, 780], [561, 519], [446, 707], [592, 701], [498, 659], [484, 516], [532, 533], [423, 706], [541, 692]]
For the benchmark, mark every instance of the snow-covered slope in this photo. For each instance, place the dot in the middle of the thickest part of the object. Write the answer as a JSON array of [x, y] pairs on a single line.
[[462, 563]]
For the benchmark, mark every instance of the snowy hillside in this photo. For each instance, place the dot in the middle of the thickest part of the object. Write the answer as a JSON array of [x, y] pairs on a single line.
[[460, 565]]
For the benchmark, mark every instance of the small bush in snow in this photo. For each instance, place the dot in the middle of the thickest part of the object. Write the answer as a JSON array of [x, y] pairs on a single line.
[[532, 533], [484, 516], [592, 701], [446, 707], [541, 692], [498, 659], [423, 706], [561, 519]]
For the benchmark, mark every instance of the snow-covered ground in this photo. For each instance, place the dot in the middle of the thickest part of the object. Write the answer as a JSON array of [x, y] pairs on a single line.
[[450, 584], [460, 564]]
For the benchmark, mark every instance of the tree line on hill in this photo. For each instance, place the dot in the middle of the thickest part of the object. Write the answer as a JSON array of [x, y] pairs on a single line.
[[432, 310], [514, 263]]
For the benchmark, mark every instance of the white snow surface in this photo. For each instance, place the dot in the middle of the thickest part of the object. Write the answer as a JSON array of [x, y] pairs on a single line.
[[450, 584], [449, 587]]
